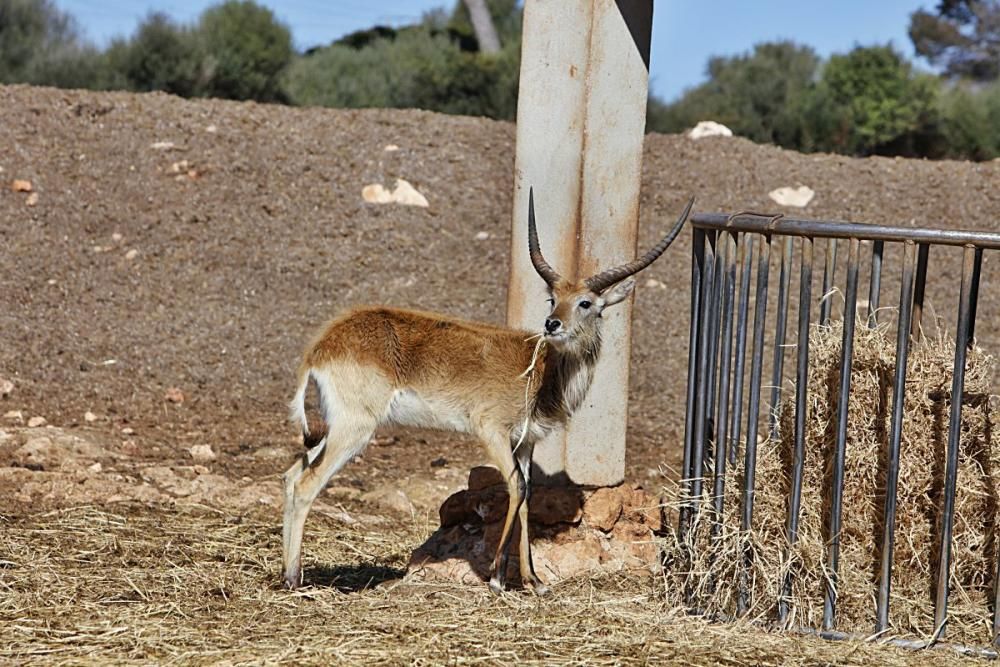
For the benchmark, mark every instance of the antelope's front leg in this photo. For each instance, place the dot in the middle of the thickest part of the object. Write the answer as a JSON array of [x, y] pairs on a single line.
[[516, 494], [499, 449]]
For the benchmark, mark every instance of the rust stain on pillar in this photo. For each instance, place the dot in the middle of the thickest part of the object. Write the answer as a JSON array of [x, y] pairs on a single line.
[[580, 126]]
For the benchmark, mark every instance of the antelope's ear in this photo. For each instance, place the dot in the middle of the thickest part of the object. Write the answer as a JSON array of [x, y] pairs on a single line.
[[617, 294]]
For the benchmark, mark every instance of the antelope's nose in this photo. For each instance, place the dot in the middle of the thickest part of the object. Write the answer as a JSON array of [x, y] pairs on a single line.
[[552, 325]]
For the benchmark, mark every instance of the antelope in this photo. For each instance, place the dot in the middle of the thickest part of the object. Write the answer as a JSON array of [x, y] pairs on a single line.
[[376, 366]]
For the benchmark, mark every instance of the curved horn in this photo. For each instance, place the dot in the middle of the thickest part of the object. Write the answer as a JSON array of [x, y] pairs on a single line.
[[600, 282], [547, 273]]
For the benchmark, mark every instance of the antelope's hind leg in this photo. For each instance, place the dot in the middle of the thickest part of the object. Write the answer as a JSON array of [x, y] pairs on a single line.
[[347, 437]]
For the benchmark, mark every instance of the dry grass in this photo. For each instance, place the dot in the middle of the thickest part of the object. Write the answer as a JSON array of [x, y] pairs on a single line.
[[920, 496], [194, 586]]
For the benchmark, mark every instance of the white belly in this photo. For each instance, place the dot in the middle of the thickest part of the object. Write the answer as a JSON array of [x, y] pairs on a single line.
[[407, 408]]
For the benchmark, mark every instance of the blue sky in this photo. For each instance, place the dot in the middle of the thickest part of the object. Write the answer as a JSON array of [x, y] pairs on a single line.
[[685, 33]]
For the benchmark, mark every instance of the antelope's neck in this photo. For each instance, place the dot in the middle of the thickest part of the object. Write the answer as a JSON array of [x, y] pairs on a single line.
[[566, 379]]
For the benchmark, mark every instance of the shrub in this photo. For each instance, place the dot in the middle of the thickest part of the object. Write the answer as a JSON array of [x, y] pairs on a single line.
[[246, 49]]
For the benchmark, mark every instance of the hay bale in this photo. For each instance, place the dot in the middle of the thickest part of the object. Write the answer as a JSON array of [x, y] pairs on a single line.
[[920, 496]]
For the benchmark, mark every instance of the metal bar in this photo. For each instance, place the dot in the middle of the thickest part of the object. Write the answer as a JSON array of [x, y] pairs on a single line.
[[846, 357], [829, 275], [875, 285], [895, 435], [722, 416], [704, 380], [767, 224], [954, 434], [801, 410], [753, 409], [746, 261], [713, 343], [784, 278], [918, 291], [697, 259], [976, 274]]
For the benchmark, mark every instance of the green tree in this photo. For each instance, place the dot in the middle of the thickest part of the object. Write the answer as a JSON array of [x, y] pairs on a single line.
[[755, 94], [870, 99], [246, 50], [506, 16], [970, 122], [161, 55], [963, 36], [40, 44], [417, 67]]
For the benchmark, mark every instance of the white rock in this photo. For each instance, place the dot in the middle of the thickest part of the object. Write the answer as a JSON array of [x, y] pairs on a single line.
[[6, 387], [407, 195], [376, 194], [653, 282], [202, 453], [128, 431], [162, 145], [797, 197], [95, 468], [212, 129], [14, 415], [404, 194], [117, 237], [35, 422], [391, 148], [89, 416], [482, 236], [131, 254], [709, 128]]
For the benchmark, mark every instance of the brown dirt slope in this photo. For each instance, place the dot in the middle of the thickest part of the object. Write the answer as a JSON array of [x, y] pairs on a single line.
[[237, 263]]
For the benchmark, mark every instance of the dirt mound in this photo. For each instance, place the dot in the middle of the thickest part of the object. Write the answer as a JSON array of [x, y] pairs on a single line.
[[196, 244]]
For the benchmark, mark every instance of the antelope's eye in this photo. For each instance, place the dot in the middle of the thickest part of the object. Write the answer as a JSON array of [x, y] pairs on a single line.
[[551, 301], [584, 304]]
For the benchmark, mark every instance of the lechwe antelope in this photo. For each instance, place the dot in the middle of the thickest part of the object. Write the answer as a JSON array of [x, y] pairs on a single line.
[[375, 366]]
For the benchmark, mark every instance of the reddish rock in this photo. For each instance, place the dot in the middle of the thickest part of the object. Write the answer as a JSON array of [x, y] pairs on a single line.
[[603, 508], [580, 555], [633, 545], [483, 477], [573, 531], [553, 505], [456, 510], [641, 506]]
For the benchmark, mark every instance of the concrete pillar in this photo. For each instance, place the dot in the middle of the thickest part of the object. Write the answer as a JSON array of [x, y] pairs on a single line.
[[580, 123]]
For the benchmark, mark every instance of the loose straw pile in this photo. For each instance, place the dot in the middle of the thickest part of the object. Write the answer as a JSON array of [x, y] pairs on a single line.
[[920, 496]]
